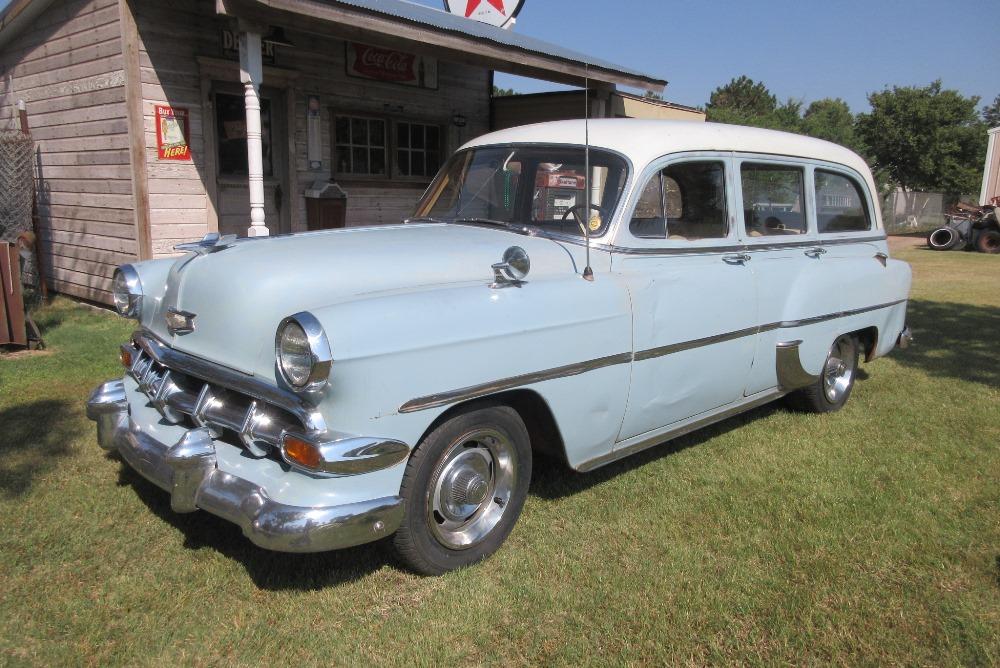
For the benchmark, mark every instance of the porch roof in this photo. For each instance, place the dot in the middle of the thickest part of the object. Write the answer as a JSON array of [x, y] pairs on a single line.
[[442, 34]]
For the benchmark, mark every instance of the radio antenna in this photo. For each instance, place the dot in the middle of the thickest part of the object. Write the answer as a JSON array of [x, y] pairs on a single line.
[[588, 272]]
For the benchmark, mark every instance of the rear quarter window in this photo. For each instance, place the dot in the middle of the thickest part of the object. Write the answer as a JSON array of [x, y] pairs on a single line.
[[841, 205]]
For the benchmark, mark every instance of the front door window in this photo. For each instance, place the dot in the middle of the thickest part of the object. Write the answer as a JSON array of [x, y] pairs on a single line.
[[231, 126]]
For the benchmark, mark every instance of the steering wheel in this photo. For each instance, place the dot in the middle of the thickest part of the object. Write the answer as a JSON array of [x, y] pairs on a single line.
[[597, 207]]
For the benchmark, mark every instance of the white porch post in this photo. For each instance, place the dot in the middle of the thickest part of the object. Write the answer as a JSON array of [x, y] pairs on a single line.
[[251, 75]]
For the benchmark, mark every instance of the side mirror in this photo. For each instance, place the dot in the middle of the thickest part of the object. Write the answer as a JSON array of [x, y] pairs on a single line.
[[511, 269]]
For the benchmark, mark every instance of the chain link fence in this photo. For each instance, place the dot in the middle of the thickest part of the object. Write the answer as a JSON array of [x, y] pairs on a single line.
[[16, 198], [909, 212]]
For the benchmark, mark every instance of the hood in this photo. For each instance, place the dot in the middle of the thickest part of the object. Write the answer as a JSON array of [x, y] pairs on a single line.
[[241, 293]]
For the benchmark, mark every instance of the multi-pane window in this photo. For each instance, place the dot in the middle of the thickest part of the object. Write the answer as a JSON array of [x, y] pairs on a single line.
[[418, 149], [840, 204], [683, 202], [360, 146], [773, 199]]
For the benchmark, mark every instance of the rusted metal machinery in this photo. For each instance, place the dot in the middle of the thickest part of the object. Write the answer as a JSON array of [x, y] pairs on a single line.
[[968, 228], [16, 326]]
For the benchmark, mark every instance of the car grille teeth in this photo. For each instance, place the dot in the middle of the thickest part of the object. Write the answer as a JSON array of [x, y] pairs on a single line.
[[181, 398]]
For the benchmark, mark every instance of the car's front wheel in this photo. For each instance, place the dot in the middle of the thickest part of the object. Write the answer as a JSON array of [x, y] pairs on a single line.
[[463, 489], [833, 388]]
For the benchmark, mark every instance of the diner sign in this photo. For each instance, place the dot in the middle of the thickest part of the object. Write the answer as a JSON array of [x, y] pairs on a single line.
[[172, 133], [372, 62]]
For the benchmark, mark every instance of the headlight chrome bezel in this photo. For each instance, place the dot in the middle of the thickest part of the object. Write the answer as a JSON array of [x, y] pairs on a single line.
[[319, 349], [127, 303]]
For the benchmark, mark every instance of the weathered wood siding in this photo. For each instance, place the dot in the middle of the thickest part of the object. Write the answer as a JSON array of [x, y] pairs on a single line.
[[68, 69], [181, 55]]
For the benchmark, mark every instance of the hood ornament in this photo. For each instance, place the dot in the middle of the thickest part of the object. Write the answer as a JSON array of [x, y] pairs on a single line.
[[210, 243], [179, 322]]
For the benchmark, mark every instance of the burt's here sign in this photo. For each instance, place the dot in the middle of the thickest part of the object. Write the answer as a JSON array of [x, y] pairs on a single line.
[[372, 62], [172, 135]]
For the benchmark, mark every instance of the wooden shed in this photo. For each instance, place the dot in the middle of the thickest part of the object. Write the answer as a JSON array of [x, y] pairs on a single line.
[[156, 123]]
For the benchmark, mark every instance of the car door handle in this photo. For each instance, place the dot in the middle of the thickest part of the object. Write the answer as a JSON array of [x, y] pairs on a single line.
[[736, 258], [815, 252]]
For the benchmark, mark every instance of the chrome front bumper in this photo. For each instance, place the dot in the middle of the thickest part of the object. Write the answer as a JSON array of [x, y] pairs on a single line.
[[187, 469]]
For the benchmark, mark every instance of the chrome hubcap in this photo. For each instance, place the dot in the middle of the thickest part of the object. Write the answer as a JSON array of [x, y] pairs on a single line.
[[839, 369], [471, 487]]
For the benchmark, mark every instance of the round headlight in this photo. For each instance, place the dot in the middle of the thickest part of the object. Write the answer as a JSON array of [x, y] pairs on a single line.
[[303, 352], [127, 291]]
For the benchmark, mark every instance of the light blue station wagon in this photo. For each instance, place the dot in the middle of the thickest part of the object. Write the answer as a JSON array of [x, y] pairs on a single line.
[[585, 292]]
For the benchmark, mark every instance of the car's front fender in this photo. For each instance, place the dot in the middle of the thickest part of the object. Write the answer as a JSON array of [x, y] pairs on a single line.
[[402, 359]]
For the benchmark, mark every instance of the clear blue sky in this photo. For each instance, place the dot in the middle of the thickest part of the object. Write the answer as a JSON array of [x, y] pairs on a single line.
[[801, 49]]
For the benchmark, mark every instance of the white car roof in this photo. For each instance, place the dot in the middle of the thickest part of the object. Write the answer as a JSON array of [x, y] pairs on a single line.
[[646, 140]]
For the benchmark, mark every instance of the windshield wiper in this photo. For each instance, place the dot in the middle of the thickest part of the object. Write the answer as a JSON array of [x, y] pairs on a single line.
[[518, 228], [423, 219], [484, 221]]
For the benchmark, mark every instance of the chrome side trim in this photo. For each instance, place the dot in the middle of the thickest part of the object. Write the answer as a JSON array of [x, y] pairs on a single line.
[[732, 248], [829, 316], [645, 441], [217, 374], [695, 343], [476, 391], [188, 470], [788, 365]]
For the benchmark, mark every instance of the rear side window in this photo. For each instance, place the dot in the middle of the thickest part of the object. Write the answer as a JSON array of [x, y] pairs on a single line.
[[683, 202], [773, 200], [840, 204]]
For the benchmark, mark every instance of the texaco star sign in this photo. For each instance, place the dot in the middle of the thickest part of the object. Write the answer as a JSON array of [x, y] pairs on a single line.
[[495, 12]]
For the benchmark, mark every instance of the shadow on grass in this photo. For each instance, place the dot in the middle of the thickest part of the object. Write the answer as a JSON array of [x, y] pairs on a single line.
[[552, 479], [954, 341], [271, 571], [34, 438]]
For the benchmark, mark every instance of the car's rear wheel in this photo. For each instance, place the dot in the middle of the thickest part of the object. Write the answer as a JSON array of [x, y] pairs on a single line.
[[836, 381], [463, 489], [989, 242], [943, 238]]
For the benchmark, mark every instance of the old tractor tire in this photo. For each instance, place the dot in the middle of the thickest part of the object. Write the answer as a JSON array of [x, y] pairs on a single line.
[[942, 239], [988, 242]]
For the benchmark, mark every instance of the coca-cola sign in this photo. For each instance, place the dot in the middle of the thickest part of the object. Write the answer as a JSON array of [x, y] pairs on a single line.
[[372, 62]]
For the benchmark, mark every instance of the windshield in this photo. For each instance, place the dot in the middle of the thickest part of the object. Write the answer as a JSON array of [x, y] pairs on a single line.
[[533, 185]]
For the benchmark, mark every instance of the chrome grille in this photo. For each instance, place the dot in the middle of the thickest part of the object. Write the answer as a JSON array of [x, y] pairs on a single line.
[[180, 397]]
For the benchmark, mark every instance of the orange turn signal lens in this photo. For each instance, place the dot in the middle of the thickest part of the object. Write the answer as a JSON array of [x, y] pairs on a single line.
[[126, 356], [301, 452]]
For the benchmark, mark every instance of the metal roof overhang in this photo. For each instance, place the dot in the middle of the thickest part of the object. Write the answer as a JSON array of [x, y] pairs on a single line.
[[427, 31]]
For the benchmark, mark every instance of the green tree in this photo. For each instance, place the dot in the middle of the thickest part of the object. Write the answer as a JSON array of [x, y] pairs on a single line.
[[650, 95], [991, 114], [831, 119], [925, 138], [503, 92], [742, 97], [744, 101]]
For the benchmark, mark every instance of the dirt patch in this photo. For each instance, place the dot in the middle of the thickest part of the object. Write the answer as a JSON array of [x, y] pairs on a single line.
[[897, 243], [6, 354]]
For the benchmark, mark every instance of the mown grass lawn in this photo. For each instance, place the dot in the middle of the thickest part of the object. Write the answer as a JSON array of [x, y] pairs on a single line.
[[866, 537]]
